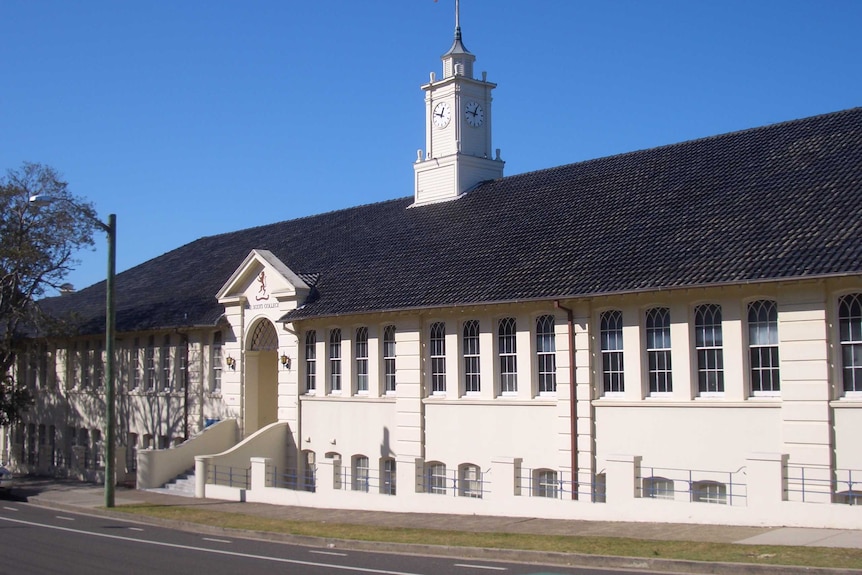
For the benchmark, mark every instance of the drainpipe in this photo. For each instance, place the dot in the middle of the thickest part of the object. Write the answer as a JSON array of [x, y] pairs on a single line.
[[573, 401]]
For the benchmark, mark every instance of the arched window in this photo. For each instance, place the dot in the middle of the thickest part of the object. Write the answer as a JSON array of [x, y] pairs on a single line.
[[709, 492], [708, 344], [360, 473], [389, 359], [611, 337], [658, 350], [438, 357], [435, 477], [546, 354], [546, 483], [658, 487], [388, 476], [850, 328], [310, 361], [763, 347], [470, 348], [335, 360], [507, 350], [360, 347], [470, 477]]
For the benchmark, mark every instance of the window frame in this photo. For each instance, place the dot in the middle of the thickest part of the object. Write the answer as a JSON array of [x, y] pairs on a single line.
[[389, 366], [471, 356], [360, 356], [611, 349], [850, 343], [334, 358], [437, 357], [771, 327], [546, 354], [659, 351], [216, 363], [709, 349], [311, 361], [507, 356]]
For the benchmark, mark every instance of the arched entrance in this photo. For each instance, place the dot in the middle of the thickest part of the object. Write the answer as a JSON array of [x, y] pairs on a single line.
[[261, 377]]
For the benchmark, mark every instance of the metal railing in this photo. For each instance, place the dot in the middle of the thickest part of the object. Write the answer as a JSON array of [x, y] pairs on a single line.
[[291, 479], [229, 476], [823, 484], [698, 485], [553, 484], [454, 482]]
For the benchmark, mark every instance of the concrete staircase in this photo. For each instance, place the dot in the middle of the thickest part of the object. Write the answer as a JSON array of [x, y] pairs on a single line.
[[182, 485]]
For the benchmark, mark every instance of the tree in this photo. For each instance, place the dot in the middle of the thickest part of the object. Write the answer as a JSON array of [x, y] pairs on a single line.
[[37, 251]]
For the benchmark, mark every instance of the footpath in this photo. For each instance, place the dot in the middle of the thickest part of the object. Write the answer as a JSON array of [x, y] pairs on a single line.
[[89, 498]]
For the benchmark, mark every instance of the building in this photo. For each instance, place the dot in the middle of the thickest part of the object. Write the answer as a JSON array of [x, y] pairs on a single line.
[[632, 337]]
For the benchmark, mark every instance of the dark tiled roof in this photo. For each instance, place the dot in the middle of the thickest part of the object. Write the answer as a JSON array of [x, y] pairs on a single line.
[[778, 202]]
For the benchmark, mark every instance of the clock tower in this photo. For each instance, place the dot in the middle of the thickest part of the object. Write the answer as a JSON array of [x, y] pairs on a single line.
[[457, 129]]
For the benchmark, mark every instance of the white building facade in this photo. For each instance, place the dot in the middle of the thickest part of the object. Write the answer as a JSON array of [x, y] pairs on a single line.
[[491, 346]]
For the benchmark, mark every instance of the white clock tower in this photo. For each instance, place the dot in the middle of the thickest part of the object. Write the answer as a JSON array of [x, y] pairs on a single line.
[[457, 129]]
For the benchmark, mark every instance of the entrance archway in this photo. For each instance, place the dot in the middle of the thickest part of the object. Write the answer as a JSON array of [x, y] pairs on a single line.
[[261, 377]]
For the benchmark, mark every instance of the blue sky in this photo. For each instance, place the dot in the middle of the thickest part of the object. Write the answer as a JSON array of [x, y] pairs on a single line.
[[189, 118]]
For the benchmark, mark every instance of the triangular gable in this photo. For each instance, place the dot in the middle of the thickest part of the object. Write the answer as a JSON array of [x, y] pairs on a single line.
[[262, 276]]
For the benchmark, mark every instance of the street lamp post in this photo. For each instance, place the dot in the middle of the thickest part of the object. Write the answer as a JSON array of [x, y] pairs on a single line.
[[110, 228]]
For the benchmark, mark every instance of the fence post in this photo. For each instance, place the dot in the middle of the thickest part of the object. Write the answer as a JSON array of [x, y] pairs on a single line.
[[621, 479], [258, 478], [766, 478], [201, 471]]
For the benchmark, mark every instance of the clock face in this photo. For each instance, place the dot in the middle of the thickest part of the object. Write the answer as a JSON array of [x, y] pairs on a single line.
[[474, 113], [442, 115]]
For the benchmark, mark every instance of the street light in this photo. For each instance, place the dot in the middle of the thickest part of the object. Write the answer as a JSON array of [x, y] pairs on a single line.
[[110, 228]]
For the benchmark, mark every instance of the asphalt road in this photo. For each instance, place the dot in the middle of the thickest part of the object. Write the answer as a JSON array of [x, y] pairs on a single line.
[[37, 540]]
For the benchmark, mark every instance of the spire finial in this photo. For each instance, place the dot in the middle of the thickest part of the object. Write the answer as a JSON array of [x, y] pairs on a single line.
[[457, 20]]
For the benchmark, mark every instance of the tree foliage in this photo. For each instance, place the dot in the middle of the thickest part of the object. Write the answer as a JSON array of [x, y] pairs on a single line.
[[38, 243]]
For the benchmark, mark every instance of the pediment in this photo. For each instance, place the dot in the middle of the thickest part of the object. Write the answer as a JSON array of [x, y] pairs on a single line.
[[262, 277]]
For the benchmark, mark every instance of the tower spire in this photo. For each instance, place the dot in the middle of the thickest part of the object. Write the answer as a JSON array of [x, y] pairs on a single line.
[[457, 19]]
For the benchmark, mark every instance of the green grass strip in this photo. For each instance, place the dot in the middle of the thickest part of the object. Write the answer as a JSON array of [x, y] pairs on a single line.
[[613, 546]]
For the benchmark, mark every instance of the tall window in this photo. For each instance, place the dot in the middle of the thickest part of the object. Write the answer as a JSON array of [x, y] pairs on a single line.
[[389, 359], [470, 344], [98, 365], [438, 357], [360, 346], [611, 335], [546, 354], [86, 364], [389, 477], [763, 346], [658, 350], [183, 362], [508, 352], [360, 473], [850, 328], [708, 342], [137, 363], [165, 359], [216, 362], [335, 360], [150, 362], [310, 361]]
